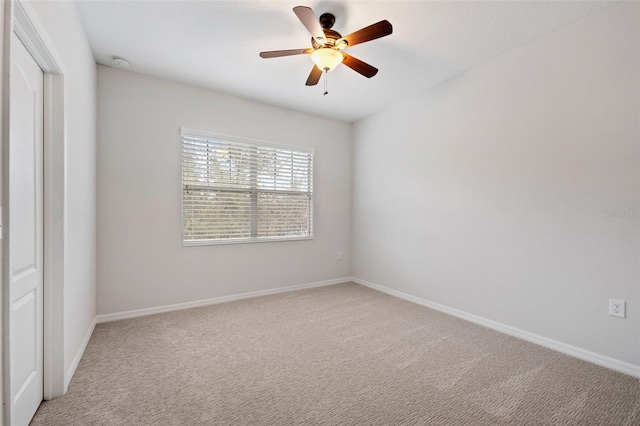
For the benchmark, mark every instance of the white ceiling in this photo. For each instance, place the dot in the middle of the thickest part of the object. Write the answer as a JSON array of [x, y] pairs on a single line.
[[215, 44]]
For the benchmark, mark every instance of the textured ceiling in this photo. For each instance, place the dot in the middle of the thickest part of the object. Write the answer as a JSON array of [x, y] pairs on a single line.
[[215, 45]]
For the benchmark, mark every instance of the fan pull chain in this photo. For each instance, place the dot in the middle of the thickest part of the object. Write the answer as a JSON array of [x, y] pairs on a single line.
[[326, 71]]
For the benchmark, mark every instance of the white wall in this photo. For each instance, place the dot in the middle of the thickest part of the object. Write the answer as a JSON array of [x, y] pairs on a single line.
[[141, 262], [62, 23], [488, 192]]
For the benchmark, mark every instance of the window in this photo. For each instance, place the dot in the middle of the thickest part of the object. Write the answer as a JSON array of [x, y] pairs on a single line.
[[237, 191]]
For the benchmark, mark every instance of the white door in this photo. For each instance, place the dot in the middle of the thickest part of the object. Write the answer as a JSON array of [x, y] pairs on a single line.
[[26, 236]]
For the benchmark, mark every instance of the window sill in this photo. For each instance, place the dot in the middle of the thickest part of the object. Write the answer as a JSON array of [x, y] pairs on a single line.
[[241, 241]]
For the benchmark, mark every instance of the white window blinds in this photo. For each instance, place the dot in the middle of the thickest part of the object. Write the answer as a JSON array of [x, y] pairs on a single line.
[[241, 191]]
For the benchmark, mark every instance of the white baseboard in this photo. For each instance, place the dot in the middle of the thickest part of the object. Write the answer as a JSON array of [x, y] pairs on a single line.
[[204, 302], [583, 354], [76, 359]]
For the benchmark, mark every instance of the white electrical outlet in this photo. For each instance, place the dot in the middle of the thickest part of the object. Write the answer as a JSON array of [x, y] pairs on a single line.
[[339, 255], [617, 308]]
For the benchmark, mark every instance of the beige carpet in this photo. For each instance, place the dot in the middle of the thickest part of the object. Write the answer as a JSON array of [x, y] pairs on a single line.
[[337, 355]]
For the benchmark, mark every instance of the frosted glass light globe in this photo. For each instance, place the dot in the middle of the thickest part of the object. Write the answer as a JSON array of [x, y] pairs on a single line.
[[326, 58]]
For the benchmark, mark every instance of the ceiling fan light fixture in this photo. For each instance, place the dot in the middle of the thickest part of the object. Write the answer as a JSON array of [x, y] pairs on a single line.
[[326, 58]]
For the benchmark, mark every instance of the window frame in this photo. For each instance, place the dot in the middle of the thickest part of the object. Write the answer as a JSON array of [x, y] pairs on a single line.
[[254, 191]]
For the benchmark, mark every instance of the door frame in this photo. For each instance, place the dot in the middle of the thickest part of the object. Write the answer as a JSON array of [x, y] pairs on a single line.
[[24, 22]]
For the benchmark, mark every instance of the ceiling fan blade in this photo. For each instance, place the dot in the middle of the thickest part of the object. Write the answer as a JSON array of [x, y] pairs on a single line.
[[314, 77], [372, 32], [290, 52], [358, 66], [309, 20]]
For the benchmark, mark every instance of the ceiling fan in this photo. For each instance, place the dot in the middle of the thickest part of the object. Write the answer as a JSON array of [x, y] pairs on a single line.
[[328, 45]]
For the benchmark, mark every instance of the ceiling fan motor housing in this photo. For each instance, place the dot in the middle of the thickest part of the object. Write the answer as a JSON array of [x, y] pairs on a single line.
[[331, 37]]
